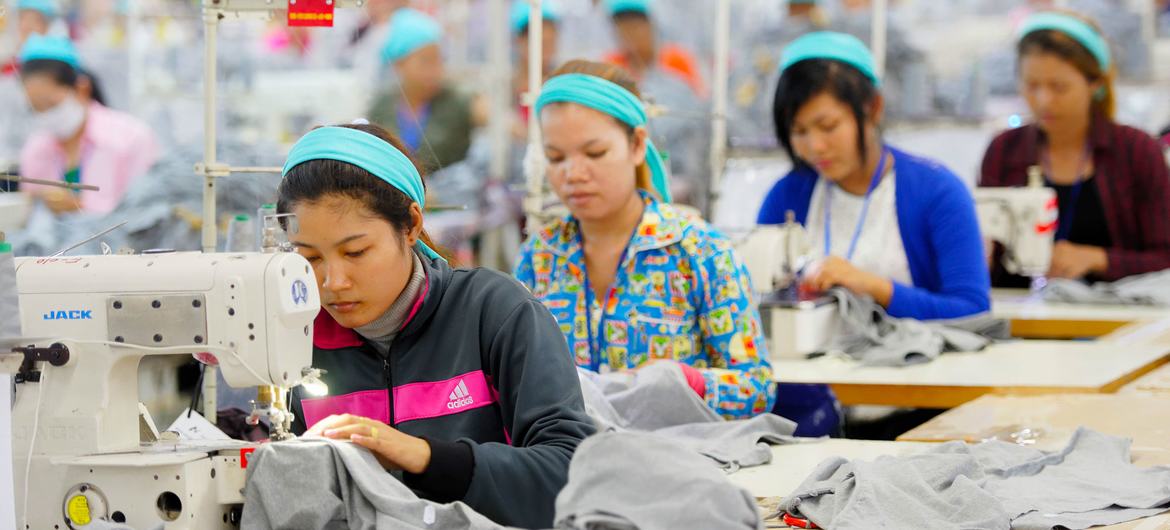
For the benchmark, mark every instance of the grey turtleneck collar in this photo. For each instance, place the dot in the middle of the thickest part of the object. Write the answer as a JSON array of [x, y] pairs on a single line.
[[382, 330]]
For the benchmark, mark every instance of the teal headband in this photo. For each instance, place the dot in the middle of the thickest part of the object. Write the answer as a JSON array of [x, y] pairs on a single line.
[[832, 46], [520, 9], [610, 98], [410, 30], [41, 47], [628, 6], [48, 8], [1075, 28], [365, 151]]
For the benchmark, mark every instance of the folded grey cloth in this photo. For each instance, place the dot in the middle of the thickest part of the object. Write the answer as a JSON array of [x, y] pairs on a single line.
[[1152, 289], [315, 484], [866, 333], [641, 481], [994, 485], [658, 399]]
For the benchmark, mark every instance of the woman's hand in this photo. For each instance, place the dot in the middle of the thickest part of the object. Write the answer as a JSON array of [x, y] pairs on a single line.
[[393, 449], [1073, 261], [60, 200], [837, 272]]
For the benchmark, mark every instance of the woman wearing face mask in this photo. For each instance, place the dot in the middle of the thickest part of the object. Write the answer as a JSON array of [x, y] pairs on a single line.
[[433, 119], [631, 279], [79, 140], [1111, 180], [457, 378], [898, 228]]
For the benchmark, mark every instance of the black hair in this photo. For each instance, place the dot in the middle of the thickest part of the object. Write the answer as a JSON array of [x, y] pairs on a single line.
[[316, 179], [808, 79], [630, 14], [63, 74]]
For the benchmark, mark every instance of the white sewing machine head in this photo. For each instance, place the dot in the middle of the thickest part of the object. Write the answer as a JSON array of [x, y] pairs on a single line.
[[1023, 220], [774, 254], [99, 316]]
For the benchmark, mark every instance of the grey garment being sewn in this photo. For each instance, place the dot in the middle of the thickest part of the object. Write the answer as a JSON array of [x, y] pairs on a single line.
[[315, 484], [1151, 289], [642, 481], [657, 399], [866, 333], [994, 485]]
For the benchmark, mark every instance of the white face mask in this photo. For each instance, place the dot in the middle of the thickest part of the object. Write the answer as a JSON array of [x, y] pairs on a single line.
[[62, 121]]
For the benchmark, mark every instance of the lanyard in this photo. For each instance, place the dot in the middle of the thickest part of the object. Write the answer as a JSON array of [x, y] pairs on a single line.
[[1064, 227], [873, 184]]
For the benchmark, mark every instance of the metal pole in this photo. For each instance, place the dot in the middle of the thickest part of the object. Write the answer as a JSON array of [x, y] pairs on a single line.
[[499, 66], [210, 27], [719, 99], [878, 35], [533, 204], [1149, 16]]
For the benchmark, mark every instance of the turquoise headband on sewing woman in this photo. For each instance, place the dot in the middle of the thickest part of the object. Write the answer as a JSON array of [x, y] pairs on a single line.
[[1075, 28], [368, 152], [610, 98]]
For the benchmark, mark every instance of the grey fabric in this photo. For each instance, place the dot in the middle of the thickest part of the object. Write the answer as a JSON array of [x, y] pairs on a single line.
[[9, 303], [651, 398], [616, 481], [656, 399], [866, 333], [1152, 289], [994, 485], [734, 444], [314, 483], [382, 330]]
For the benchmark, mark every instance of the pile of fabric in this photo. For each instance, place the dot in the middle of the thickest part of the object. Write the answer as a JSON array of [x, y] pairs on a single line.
[[1150, 289], [993, 485], [867, 334]]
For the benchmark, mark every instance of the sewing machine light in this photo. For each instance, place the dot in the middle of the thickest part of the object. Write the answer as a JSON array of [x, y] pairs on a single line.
[[207, 358], [312, 382]]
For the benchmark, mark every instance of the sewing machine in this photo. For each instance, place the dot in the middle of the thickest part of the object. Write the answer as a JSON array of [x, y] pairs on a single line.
[[94, 450], [795, 324], [1024, 221]]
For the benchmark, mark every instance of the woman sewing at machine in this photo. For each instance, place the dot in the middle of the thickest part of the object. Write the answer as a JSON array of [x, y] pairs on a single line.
[[456, 377], [894, 227], [431, 117], [78, 138], [631, 279], [1110, 179]]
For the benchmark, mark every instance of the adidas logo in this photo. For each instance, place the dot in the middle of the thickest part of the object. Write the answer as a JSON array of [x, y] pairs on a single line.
[[460, 397]]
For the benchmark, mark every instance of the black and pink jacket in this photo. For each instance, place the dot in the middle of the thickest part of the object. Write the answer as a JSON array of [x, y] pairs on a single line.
[[483, 373]]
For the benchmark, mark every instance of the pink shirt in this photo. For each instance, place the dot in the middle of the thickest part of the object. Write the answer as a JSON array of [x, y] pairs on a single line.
[[116, 148]]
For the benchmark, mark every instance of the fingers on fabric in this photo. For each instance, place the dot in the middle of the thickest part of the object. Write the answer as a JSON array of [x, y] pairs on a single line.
[[336, 421], [346, 431]]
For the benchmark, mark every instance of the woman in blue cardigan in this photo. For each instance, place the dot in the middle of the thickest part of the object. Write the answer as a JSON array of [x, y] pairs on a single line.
[[896, 227]]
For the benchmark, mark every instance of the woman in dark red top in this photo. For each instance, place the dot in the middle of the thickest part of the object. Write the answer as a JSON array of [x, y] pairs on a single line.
[[1112, 183]]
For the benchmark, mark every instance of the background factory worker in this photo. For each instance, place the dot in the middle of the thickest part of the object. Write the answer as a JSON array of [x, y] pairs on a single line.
[[898, 228], [631, 279], [421, 107], [1111, 180], [639, 50], [77, 138]]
